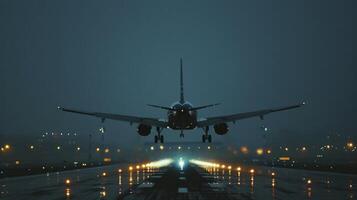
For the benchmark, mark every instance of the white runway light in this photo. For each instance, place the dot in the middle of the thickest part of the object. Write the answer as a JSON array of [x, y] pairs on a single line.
[[181, 163], [160, 163]]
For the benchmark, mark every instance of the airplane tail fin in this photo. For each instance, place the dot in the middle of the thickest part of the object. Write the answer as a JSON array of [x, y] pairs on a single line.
[[182, 99]]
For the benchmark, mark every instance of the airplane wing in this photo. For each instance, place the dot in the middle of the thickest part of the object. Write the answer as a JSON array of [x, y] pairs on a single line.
[[132, 119], [235, 117]]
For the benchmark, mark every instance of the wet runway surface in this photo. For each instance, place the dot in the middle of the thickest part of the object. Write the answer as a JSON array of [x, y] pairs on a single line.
[[239, 182]]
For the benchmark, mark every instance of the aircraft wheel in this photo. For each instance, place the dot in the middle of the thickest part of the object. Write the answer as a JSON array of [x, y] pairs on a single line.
[[156, 138], [203, 138], [210, 138], [162, 139]]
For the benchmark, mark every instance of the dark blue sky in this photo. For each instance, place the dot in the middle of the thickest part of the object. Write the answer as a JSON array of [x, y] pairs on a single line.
[[117, 56]]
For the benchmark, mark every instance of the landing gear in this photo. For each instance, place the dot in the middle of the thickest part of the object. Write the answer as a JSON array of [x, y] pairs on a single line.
[[181, 134], [209, 138], [159, 136], [206, 136]]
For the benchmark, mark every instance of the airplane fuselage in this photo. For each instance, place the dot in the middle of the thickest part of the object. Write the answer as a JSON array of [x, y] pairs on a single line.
[[181, 117]]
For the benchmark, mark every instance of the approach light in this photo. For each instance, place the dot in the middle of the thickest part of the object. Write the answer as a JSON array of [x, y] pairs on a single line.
[[68, 181]]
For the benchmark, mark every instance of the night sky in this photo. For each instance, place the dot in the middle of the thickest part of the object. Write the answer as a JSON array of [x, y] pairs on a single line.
[[117, 56]]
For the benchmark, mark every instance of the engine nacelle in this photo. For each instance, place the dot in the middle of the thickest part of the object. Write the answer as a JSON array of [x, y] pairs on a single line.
[[144, 130], [221, 128]]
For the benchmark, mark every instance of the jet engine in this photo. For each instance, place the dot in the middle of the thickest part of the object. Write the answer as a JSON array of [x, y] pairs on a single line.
[[144, 130], [221, 128]]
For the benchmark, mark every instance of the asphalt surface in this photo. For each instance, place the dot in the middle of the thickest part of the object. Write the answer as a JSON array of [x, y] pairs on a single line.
[[190, 183]]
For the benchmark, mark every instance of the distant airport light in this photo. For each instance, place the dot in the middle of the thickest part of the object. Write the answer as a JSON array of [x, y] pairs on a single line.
[[143, 166], [273, 174], [284, 158], [130, 168], [104, 174], [120, 170], [179, 147], [137, 166], [58, 147], [309, 181], [7, 146], [251, 171], [223, 166], [244, 150], [78, 148], [97, 149], [161, 147], [103, 194], [239, 169], [152, 148], [303, 148], [229, 167], [286, 149], [260, 151], [2, 149], [68, 192], [209, 147], [268, 151], [106, 150], [32, 147], [349, 145], [68, 181], [17, 162]]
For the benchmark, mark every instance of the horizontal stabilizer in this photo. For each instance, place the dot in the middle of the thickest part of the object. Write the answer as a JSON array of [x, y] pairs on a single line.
[[161, 107], [206, 106]]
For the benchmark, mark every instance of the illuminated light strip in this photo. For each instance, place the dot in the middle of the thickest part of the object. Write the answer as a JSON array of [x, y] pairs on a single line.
[[203, 163], [160, 163]]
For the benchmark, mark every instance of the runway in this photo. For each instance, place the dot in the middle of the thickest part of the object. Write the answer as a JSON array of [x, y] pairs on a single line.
[[226, 181]]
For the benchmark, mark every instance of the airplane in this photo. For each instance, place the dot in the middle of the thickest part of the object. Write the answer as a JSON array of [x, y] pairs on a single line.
[[182, 115]]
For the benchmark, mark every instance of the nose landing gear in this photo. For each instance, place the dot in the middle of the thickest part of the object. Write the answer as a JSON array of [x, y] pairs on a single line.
[[181, 134]]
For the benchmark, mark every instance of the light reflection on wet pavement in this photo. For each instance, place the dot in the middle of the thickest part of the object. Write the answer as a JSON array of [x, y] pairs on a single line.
[[108, 182]]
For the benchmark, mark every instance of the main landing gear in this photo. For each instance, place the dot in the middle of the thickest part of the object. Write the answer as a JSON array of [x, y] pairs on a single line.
[[206, 136], [159, 137]]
